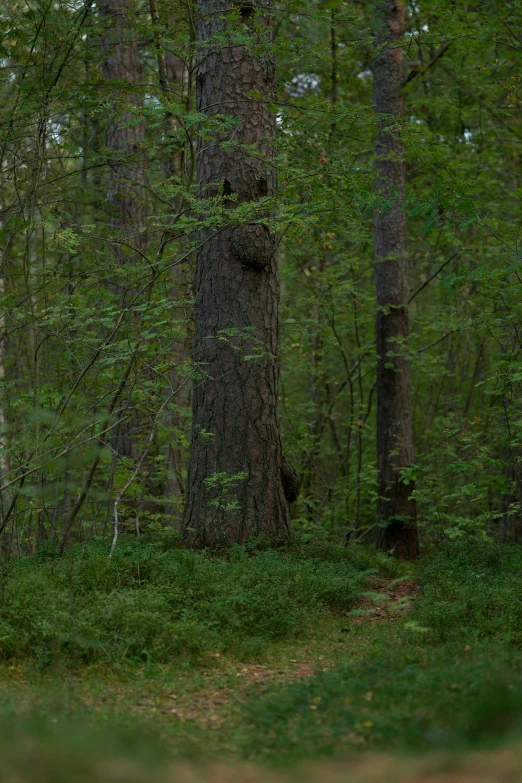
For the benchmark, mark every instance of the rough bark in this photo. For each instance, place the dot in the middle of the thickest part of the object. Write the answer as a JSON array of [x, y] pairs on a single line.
[[235, 486], [396, 512], [126, 197], [4, 459], [126, 200]]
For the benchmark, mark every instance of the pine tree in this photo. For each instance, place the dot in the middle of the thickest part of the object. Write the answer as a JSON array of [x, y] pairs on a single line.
[[236, 472], [396, 512]]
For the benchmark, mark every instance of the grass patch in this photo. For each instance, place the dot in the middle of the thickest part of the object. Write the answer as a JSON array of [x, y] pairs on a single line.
[[472, 589], [63, 749], [406, 697]]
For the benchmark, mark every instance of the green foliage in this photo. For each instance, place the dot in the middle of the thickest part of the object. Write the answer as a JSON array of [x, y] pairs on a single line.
[[404, 684], [96, 324], [63, 747], [95, 346], [400, 694], [152, 602], [447, 678], [473, 589]]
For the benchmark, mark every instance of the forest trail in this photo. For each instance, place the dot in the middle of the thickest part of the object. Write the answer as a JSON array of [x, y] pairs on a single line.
[[209, 714], [388, 599], [208, 696], [211, 695], [211, 706]]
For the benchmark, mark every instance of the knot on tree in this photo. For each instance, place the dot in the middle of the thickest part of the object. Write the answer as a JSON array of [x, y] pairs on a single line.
[[289, 480], [246, 8], [253, 245]]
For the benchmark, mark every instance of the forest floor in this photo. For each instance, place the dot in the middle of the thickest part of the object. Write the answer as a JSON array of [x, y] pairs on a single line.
[[365, 697], [210, 696]]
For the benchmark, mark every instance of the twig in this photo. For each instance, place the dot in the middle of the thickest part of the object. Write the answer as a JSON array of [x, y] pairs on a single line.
[[413, 75], [39, 467], [92, 470], [433, 276], [439, 340]]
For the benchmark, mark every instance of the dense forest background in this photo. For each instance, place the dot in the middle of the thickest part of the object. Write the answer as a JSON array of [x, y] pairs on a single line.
[[99, 222], [260, 310]]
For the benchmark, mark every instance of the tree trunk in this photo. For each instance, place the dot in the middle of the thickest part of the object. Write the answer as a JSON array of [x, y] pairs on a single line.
[[4, 459], [236, 472], [127, 199], [128, 179], [396, 512]]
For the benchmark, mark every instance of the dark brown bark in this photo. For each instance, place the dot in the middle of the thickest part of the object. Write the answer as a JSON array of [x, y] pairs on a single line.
[[126, 198], [396, 512], [236, 430], [127, 195], [175, 81]]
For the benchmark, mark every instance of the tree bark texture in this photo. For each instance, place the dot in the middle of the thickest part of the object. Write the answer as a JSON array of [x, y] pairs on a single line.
[[396, 512], [236, 478], [126, 198]]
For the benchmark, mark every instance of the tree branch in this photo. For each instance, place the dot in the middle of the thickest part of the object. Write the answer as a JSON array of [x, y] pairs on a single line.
[[433, 276], [413, 74]]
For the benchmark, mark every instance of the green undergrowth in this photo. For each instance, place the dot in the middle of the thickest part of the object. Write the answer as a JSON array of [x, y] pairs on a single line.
[[448, 676], [405, 697], [472, 589], [155, 602], [66, 749]]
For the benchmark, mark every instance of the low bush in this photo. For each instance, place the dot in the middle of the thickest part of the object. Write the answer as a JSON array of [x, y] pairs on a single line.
[[472, 589], [152, 601], [446, 676], [400, 694]]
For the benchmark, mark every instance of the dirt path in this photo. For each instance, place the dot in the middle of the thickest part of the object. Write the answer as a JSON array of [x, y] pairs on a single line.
[[386, 599], [209, 695]]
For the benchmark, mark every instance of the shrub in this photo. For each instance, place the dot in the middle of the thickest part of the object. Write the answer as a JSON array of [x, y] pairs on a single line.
[[472, 589], [462, 688], [153, 602]]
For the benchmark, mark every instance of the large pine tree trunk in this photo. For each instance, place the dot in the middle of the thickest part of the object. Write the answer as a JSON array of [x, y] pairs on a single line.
[[396, 512], [235, 483]]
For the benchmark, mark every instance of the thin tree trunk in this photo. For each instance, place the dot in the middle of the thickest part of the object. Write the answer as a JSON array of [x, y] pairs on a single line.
[[236, 470], [174, 78], [396, 512], [4, 459]]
